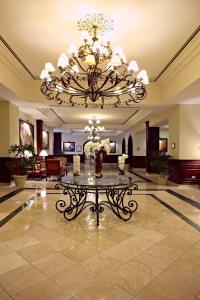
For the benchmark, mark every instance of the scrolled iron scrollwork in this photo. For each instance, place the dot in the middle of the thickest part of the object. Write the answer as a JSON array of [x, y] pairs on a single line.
[[77, 201]]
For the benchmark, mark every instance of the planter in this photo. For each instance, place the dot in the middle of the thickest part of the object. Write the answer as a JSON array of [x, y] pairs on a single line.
[[162, 180], [20, 180]]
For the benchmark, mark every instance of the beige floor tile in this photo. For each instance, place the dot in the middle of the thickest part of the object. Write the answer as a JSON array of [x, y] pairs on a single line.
[[10, 262], [177, 243], [21, 242], [74, 280], [101, 262], [164, 253], [137, 244], [152, 235], [60, 243], [153, 261], [45, 290], [160, 290], [6, 235], [4, 249], [101, 289], [20, 279], [121, 253], [36, 252], [117, 260], [189, 262], [4, 295], [183, 279], [195, 250], [79, 252], [53, 264], [131, 277]]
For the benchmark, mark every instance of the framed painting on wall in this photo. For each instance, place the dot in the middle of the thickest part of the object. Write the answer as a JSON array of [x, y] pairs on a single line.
[[26, 133], [45, 139], [112, 147], [78, 148], [68, 146], [163, 145]]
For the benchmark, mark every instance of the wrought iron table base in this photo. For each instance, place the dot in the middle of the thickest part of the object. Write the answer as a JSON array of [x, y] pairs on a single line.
[[78, 202]]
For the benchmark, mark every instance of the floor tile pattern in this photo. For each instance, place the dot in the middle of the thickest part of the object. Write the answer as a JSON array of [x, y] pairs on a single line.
[[155, 255]]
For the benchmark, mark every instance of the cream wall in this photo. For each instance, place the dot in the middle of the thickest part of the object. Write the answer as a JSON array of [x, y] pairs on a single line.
[[139, 143], [189, 132], [9, 126], [184, 132]]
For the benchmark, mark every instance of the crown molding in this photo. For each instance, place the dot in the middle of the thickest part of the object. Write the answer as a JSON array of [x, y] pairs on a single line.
[[165, 68]]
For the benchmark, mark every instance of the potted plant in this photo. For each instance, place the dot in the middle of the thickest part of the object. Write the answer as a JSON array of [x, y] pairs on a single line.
[[24, 159], [159, 161]]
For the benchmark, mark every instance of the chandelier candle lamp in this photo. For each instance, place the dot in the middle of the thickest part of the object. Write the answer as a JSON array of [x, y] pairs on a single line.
[[94, 129], [93, 74]]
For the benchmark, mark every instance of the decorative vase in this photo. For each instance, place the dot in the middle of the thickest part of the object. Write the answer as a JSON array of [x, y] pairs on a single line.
[[76, 165], [121, 169], [20, 180], [98, 164]]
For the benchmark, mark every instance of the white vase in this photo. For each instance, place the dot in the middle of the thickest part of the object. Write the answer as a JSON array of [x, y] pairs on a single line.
[[20, 180]]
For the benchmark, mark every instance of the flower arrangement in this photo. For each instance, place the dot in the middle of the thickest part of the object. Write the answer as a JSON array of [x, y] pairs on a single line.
[[94, 147], [25, 155], [76, 165], [121, 163]]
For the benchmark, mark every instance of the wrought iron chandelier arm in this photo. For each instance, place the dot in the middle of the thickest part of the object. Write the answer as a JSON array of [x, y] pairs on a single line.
[[73, 78], [80, 66]]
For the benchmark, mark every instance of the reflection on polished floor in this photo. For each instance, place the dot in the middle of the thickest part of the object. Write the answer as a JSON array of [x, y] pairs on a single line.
[[153, 256]]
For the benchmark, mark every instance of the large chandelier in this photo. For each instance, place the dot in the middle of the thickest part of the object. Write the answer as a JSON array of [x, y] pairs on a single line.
[[94, 129], [94, 74]]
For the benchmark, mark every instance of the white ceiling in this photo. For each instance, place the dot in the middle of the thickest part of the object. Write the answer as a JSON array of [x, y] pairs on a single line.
[[149, 31]]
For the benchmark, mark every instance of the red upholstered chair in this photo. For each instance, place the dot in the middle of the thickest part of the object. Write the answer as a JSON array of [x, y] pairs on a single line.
[[54, 168]]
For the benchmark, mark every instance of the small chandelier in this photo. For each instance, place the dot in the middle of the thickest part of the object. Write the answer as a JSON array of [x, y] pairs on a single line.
[[94, 74], [94, 129]]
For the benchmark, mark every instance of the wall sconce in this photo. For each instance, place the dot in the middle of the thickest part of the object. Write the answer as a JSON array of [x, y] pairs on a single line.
[[173, 145]]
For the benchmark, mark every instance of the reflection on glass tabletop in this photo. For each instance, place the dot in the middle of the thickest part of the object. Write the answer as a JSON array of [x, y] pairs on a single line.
[[117, 180]]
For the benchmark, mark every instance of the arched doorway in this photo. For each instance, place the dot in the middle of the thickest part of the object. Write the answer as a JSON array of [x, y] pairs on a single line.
[[123, 146], [130, 150]]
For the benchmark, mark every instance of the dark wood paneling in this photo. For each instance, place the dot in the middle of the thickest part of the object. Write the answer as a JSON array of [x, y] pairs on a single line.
[[5, 172], [139, 161], [57, 143], [110, 159], [152, 145], [39, 126], [184, 171]]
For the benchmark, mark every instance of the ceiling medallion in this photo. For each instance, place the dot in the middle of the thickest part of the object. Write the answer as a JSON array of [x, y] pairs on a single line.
[[94, 74]]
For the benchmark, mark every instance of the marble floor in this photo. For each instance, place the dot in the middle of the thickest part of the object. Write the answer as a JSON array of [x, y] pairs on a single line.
[[153, 256]]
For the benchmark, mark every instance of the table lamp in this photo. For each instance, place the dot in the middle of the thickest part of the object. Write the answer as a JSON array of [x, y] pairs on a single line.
[[43, 153]]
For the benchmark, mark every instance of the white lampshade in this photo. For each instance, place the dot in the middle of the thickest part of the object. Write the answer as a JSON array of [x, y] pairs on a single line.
[[143, 76], [43, 152], [133, 66], [49, 67], [63, 60]]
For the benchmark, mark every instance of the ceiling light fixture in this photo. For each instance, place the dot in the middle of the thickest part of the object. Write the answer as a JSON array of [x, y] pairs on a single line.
[[94, 129], [81, 80]]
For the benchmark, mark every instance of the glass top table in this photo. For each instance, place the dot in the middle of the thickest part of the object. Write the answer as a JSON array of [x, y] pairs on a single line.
[[90, 182], [115, 187]]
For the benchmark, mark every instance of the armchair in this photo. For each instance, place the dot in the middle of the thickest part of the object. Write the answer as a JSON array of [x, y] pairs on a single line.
[[55, 168]]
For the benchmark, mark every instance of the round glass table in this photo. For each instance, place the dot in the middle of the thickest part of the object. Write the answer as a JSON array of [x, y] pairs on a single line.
[[114, 187]]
